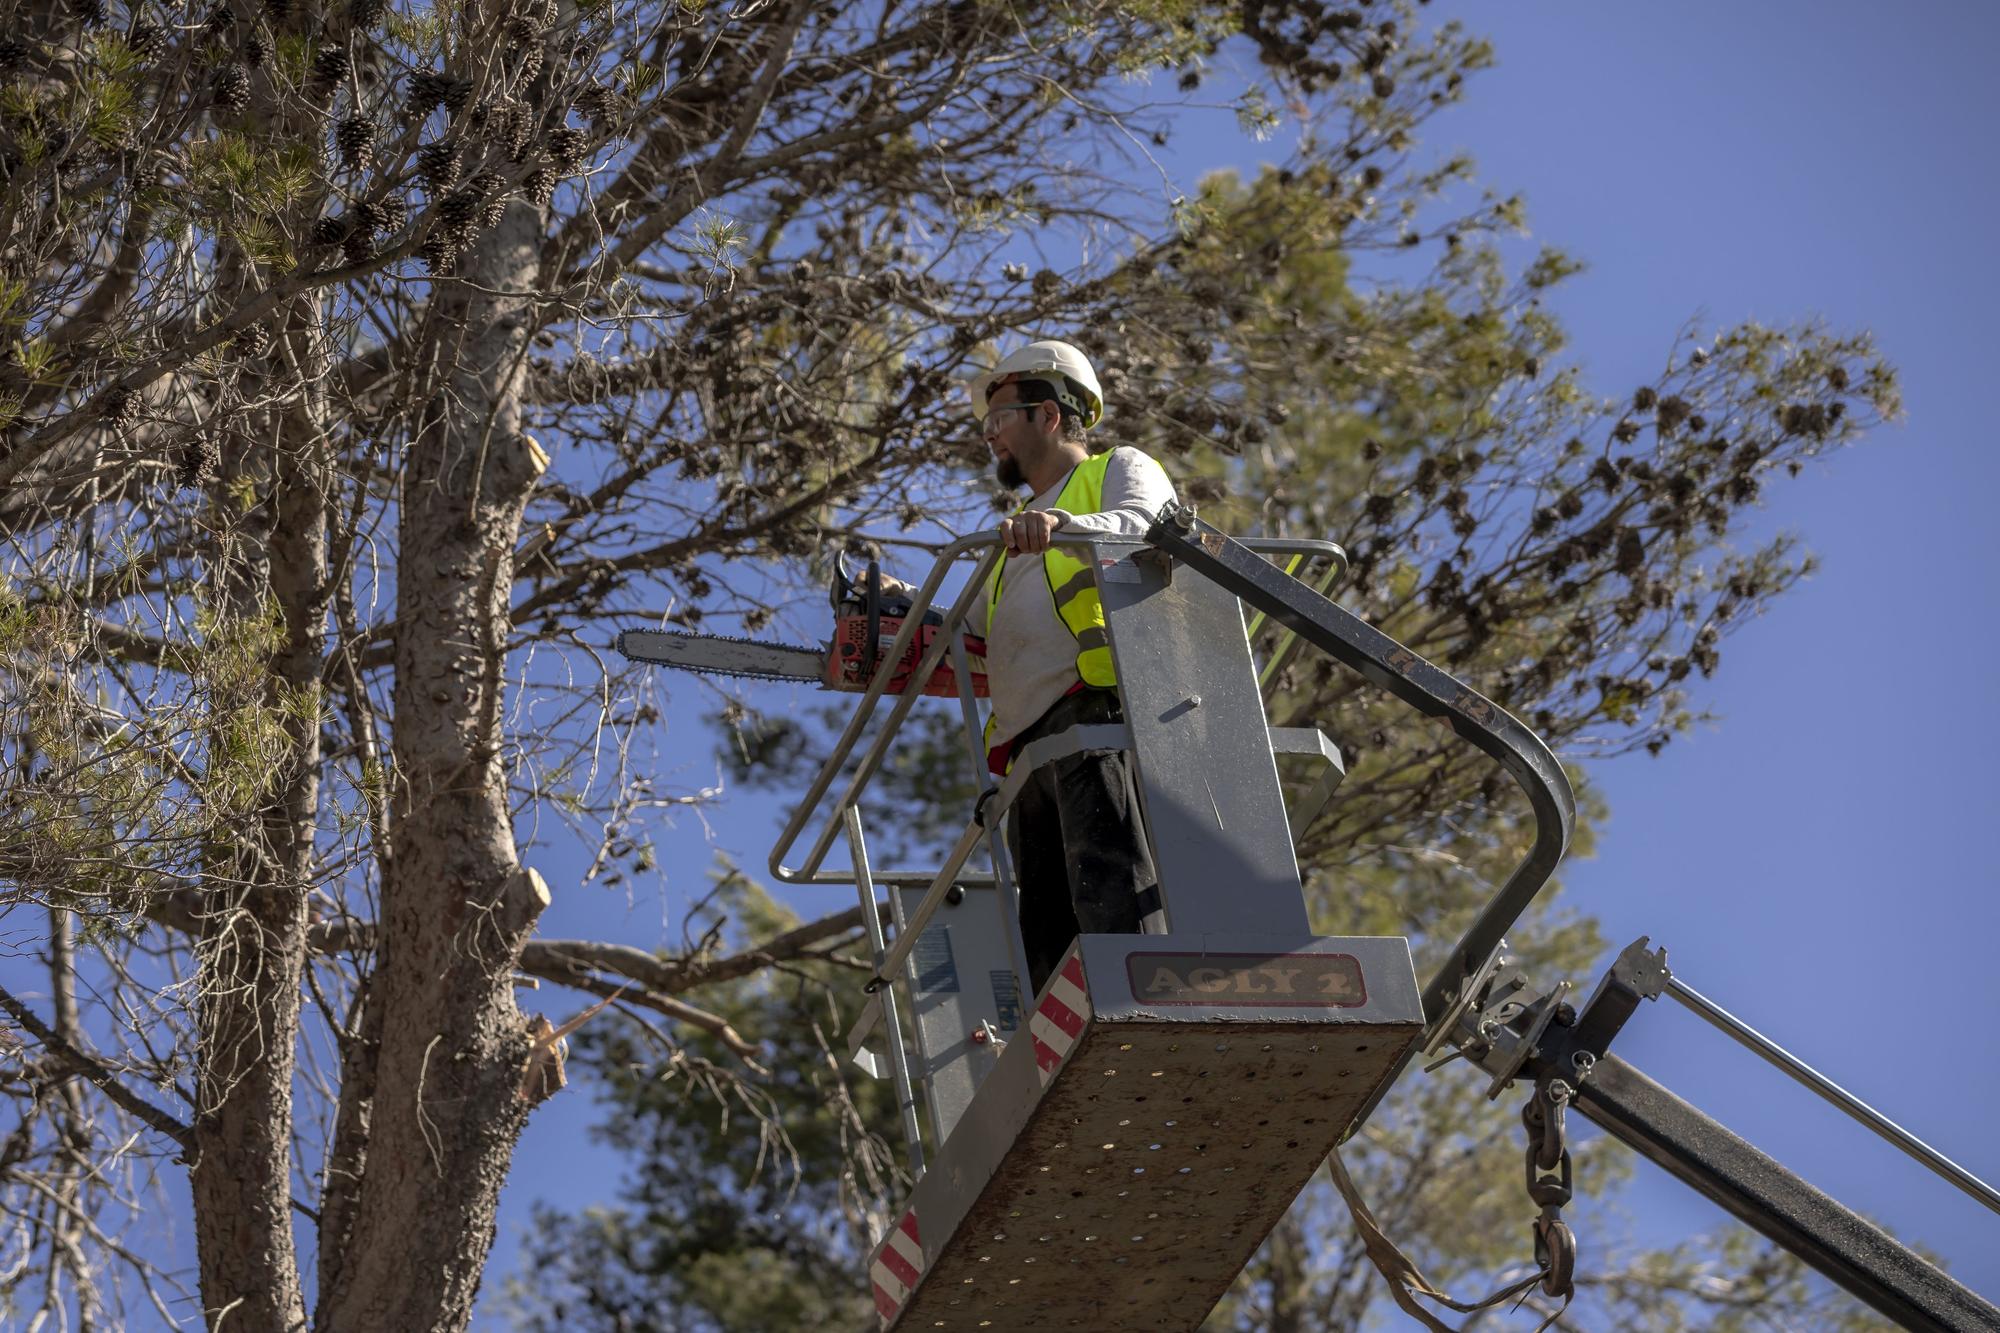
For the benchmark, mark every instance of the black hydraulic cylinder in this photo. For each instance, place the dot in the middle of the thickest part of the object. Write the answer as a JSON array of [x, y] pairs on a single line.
[[1842, 1245]]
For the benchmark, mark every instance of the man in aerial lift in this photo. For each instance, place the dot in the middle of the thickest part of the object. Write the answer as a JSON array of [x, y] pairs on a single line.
[[1074, 833]]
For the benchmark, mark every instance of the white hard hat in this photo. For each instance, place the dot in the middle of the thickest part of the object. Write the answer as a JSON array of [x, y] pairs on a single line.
[[1057, 363]]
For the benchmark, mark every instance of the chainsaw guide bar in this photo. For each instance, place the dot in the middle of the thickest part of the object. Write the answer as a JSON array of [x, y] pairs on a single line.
[[845, 664], [719, 655]]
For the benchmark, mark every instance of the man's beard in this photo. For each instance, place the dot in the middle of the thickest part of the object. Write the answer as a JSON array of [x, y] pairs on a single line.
[[1008, 469]]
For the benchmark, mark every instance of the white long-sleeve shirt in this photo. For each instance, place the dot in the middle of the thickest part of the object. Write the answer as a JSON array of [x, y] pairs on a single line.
[[1030, 653]]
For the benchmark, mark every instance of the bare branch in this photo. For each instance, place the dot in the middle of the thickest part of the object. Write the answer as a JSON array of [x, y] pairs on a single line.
[[93, 1069]]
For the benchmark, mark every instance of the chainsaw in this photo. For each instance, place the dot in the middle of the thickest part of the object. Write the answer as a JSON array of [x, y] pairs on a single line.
[[866, 620]]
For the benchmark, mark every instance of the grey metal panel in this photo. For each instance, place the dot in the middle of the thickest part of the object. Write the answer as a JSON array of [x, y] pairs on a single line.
[[1207, 781], [1211, 554], [952, 987]]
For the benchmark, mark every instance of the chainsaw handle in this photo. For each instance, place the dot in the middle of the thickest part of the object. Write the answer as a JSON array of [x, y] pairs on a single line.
[[874, 594]]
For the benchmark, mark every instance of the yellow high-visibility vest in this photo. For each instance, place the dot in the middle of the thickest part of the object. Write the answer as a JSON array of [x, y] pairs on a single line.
[[1071, 581]]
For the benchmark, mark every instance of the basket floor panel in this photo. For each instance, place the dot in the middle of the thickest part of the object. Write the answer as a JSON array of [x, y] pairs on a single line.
[[1149, 1173]]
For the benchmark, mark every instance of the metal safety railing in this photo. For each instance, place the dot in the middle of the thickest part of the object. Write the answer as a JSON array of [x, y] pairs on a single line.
[[947, 638], [1433, 692], [1305, 616], [987, 545]]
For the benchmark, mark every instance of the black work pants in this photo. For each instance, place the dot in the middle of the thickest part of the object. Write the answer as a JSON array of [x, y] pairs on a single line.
[[1074, 832]]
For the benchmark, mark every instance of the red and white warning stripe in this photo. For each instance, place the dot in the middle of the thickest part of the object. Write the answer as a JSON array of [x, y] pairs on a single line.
[[899, 1262], [1059, 1018]]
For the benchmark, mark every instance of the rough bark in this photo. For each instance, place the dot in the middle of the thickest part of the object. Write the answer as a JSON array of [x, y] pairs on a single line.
[[251, 940], [447, 1045]]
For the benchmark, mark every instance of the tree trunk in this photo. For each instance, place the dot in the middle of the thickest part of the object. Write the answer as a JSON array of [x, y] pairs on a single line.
[[251, 943], [443, 1104]]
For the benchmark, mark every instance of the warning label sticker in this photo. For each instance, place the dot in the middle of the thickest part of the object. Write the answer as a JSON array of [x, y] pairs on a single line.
[[1006, 999], [937, 971]]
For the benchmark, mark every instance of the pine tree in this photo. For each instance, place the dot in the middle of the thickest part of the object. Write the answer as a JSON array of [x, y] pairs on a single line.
[[307, 535]]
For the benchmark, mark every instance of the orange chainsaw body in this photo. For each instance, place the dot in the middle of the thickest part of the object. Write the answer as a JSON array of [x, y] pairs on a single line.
[[848, 667]]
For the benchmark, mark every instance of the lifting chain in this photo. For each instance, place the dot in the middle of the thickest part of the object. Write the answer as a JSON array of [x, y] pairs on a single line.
[[1549, 1183]]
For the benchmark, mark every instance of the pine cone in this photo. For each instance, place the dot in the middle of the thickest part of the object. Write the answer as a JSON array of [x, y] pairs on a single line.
[[145, 39], [13, 55], [530, 61], [331, 65], [200, 461], [456, 94], [359, 247], [122, 406], [252, 340], [256, 49], [329, 231], [596, 103], [515, 131], [220, 20], [279, 10], [569, 149], [437, 163], [478, 204], [521, 30], [89, 12], [387, 214], [460, 209], [424, 93], [540, 187], [232, 89], [354, 137], [438, 253], [368, 13]]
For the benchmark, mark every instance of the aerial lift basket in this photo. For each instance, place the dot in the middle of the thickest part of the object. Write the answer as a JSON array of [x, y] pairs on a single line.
[[1169, 1093], [1129, 1152]]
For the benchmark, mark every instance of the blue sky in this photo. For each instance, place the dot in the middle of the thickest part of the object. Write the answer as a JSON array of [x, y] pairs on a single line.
[[1819, 861]]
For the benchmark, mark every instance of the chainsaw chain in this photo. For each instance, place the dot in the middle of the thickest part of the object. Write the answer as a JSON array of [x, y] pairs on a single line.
[[732, 671]]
